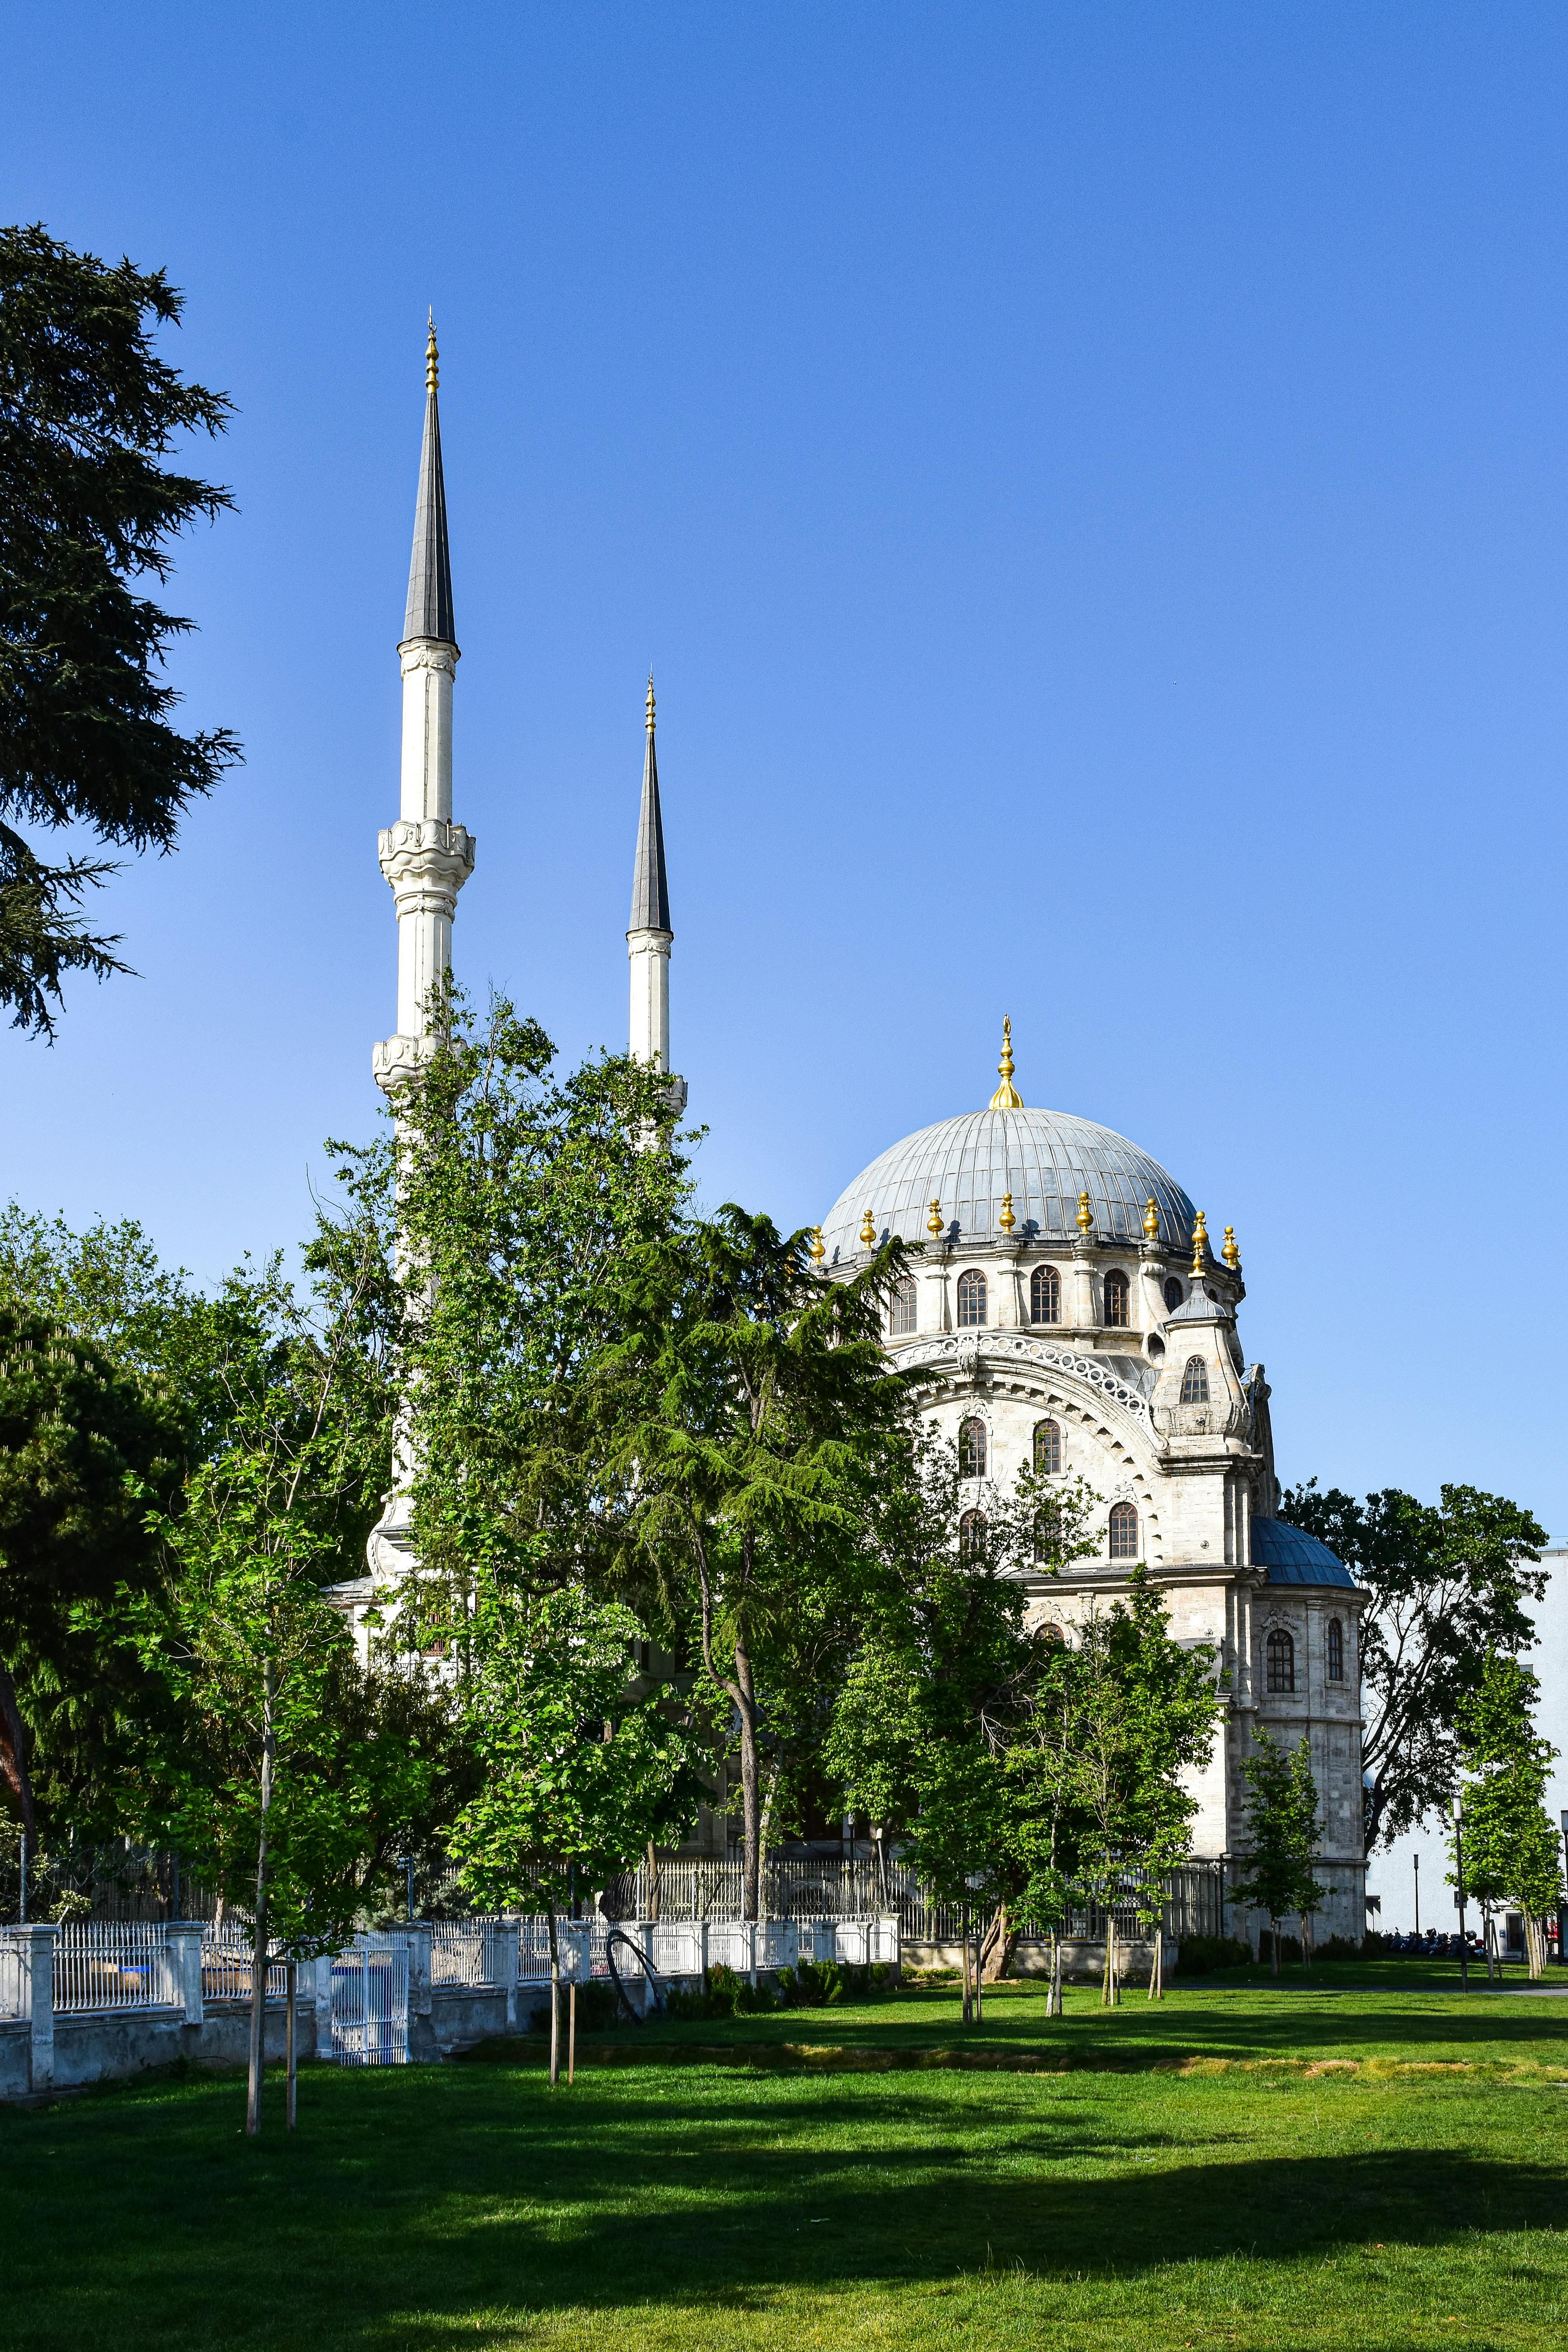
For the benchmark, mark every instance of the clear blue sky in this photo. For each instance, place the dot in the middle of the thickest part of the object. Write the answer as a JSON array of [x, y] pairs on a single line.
[[1092, 483]]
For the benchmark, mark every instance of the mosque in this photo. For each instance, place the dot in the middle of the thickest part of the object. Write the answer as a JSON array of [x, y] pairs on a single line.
[[1066, 1306]]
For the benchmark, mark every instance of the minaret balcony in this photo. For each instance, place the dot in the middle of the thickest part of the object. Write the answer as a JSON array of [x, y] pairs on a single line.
[[427, 861]]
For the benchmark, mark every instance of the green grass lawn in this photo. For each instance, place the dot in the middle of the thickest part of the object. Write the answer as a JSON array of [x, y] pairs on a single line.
[[1354, 2161]]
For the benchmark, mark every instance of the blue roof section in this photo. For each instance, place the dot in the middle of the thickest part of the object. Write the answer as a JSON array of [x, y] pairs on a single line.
[[1293, 1557]]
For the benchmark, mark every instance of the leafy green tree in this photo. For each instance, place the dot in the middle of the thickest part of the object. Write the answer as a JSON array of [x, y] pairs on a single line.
[[79, 1442], [1283, 1834], [1119, 1718], [755, 1417], [88, 509], [1448, 1583], [1511, 1849], [524, 1201], [262, 1780], [582, 1762]]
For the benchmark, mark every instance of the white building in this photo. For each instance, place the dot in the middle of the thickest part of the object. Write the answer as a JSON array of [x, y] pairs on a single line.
[[1067, 1305]]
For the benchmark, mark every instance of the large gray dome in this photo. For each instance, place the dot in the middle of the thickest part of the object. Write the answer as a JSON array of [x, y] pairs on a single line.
[[1044, 1157]]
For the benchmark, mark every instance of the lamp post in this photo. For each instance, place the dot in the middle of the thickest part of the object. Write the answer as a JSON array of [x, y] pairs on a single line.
[[1459, 1877], [1418, 1898], [1563, 1908]]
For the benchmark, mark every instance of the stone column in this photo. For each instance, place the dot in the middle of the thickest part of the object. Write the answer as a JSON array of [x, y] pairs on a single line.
[[1085, 1308], [183, 1939], [34, 1946]]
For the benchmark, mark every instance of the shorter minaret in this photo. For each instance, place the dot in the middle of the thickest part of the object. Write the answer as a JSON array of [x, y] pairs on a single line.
[[649, 934], [425, 856]]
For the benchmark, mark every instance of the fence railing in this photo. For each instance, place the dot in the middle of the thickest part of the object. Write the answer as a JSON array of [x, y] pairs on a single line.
[[228, 1965], [1188, 1901], [113, 1964]]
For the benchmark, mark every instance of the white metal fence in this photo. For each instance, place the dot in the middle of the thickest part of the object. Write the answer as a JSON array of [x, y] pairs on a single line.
[[113, 1964], [370, 2005], [228, 1960]]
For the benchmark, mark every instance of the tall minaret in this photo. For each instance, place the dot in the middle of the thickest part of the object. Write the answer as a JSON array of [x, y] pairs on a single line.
[[649, 935], [425, 856]]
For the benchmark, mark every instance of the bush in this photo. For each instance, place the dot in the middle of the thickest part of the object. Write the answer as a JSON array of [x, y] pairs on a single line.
[[1200, 1956], [1341, 1947], [814, 1984], [1289, 1950]]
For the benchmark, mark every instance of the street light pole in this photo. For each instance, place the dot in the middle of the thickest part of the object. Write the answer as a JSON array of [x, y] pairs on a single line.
[[1418, 1898], [1459, 1875]]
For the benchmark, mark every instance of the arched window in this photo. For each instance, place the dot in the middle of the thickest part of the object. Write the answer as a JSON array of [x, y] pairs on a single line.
[[1173, 1293], [971, 1299], [1116, 1298], [1044, 1295], [1047, 1447], [1280, 1653], [1123, 1532], [901, 1308], [1051, 1631], [972, 1448], [972, 1536], [1336, 1651], [1196, 1381]]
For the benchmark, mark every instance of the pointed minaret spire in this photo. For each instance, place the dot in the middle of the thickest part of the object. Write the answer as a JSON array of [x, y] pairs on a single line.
[[425, 856], [429, 612], [649, 934], [650, 891]]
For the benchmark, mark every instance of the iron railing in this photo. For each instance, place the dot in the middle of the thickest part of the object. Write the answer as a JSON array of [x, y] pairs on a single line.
[[113, 1964]]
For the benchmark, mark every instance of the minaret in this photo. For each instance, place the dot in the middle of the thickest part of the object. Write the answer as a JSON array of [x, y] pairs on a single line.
[[649, 934], [425, 856]]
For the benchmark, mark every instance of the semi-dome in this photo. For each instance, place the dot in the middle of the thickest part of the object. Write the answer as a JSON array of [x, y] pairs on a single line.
[[1293, 1557], [1044, 1157]]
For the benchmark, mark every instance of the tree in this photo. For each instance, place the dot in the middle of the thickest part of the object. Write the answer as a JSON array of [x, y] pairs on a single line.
[[1283, 1833], [1118, 1719], [261, 1788], [1448, 1584], [756, 1415], [79, 1442], [88, 411], [1511, 1849], [939, 1687], [523, 1200], [583, 1763]]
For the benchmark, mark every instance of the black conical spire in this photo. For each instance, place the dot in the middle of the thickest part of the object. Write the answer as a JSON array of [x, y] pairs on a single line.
[[650, 892], [429, 612]]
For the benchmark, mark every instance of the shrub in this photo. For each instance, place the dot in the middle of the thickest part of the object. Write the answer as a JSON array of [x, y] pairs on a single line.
[[1289, 1950], [1200, 1956], [1340, 1947]]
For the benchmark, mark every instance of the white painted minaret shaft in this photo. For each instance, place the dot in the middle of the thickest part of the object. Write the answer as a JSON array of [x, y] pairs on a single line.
[[425, 856], [650, 953]]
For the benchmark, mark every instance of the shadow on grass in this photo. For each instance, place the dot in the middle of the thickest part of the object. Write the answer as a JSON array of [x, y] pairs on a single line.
[[408, 2204]]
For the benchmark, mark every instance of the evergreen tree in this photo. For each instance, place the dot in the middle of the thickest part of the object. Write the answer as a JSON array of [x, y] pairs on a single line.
[[87, 412]]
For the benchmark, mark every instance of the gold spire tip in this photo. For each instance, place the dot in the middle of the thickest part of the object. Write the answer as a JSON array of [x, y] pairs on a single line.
[[1006, 1219], [1200, 1242], [1085, 1213], [1005, 1097], [650, 702], [1152, 1219], [933, 1223], [867, 1231], [817, 1251], [1230, 1252], [432, 358]]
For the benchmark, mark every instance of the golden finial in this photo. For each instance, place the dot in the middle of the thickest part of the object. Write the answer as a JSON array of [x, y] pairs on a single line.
[[818, 1251], [933, 1223], [1151, 1219], [1005, 1097], [1084, 1215], [1200, 1242], [1230, 1254], [1006, 1219], [867, 1231], [650, 702], [432, 368]]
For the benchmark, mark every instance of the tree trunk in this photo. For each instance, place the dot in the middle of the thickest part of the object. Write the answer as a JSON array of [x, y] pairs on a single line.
[[1157, 1967], [572, 2033], [14, 1765], [290, 2052], [968, 2007], [998, 1945], [555, 1999], [751, 1784], [1274, 1943], [1054, 2004], [258, 1940]]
